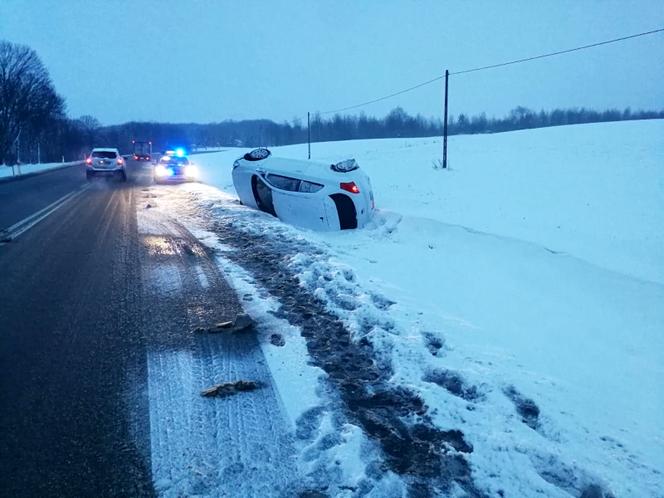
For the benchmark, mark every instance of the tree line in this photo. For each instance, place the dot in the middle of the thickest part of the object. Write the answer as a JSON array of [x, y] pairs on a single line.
[[397, 123], [34, 126]]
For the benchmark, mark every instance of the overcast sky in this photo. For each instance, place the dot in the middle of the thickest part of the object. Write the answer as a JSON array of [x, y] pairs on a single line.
[[202, 61]]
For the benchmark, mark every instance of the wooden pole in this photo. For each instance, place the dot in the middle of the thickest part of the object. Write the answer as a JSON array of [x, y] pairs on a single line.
[[447, 75], [309, 135]]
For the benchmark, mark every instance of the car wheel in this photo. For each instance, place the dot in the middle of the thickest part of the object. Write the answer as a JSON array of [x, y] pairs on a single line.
[[123, 176], [88, 175]]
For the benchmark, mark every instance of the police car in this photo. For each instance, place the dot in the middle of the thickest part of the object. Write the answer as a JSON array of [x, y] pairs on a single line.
[[175, 166], [310, 194]]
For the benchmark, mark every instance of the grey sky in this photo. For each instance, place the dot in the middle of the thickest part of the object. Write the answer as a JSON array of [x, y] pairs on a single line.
[[201, 61]]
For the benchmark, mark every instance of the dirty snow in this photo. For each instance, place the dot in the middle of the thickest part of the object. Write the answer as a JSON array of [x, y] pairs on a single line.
[[333, 453]]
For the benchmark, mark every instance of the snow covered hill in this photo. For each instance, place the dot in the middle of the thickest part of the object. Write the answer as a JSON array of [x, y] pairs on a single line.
[[529, 276]]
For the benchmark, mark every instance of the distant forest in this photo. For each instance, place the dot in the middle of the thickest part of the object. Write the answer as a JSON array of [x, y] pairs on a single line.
[[34, 126], [75, 137]]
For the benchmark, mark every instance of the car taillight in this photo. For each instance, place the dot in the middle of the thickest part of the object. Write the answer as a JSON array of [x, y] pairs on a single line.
[[88, 160], [120, 161], [349, 187]]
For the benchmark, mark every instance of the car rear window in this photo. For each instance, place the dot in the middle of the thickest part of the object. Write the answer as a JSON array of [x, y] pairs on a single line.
[[104, 154]]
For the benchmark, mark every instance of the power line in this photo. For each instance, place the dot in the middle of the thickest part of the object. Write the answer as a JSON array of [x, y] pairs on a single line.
[[385, 97], [493, 66], [551, 54]]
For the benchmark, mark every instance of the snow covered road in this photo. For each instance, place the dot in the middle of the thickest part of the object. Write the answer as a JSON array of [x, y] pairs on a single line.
[[236, 446]]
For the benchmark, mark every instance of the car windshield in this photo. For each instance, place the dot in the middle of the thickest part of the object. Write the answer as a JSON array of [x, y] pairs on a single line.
[[104, 154], [175, 161]]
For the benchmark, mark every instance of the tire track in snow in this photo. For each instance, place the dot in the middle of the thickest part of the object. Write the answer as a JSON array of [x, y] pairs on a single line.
[[236, 446]]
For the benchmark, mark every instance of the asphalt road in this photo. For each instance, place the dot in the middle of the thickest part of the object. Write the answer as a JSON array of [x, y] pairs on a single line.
[[20, 198], [96, 321], [70, 306]]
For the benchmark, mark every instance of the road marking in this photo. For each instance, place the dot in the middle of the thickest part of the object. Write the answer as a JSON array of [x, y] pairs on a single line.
[[11, 233]]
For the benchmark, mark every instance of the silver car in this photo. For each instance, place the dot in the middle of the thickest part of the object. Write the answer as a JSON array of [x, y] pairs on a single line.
[[105, 161]]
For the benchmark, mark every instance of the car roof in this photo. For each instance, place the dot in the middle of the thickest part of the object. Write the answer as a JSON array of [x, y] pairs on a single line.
[[104, 149]]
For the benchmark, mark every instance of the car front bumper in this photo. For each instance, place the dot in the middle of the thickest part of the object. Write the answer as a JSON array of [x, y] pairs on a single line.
[[174, 179]]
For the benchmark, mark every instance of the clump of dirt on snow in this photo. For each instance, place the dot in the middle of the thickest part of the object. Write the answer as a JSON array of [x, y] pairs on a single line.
[[230, 388]]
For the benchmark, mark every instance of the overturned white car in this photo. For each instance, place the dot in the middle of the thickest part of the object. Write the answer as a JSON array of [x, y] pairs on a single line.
[[309, 194]]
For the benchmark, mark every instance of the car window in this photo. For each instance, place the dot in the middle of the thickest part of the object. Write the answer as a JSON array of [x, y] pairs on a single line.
[[309, 187], [283, 182], [104, 154]]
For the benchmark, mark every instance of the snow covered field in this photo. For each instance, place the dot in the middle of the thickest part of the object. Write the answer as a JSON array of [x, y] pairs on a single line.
[[24, 169], [528, 285]]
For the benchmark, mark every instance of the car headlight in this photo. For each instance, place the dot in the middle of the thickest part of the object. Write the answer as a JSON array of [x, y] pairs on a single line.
[[160, 170], [191, 171]]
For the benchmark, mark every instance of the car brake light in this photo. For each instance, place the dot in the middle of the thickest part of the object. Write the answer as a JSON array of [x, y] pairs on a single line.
[[120, 161], [350, 187], [88, 160]]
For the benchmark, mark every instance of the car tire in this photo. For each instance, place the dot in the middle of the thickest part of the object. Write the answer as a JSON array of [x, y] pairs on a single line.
[[123, 176], [88, 175]]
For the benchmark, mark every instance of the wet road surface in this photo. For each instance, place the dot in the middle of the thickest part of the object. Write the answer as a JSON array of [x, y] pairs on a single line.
[[69, 297], [100, 370], [21, 198]]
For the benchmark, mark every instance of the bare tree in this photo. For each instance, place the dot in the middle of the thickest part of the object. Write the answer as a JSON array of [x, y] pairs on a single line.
[[29, 103], [90, 128]]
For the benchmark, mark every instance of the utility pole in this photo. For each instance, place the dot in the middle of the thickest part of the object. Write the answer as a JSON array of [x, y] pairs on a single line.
[[309, 135], [447, 76], [38, 153]]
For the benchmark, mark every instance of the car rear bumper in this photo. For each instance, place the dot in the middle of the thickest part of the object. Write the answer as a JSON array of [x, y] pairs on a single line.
[[104, 170]]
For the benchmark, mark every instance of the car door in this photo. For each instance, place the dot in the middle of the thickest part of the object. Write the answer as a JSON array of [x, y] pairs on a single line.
[[298, 202]]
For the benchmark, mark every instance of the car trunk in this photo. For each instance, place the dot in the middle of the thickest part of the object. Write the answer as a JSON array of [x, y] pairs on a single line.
[[104, 162]]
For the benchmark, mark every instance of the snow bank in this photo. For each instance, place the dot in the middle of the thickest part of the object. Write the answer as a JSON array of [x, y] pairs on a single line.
[[25, 169], [535, 262]]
